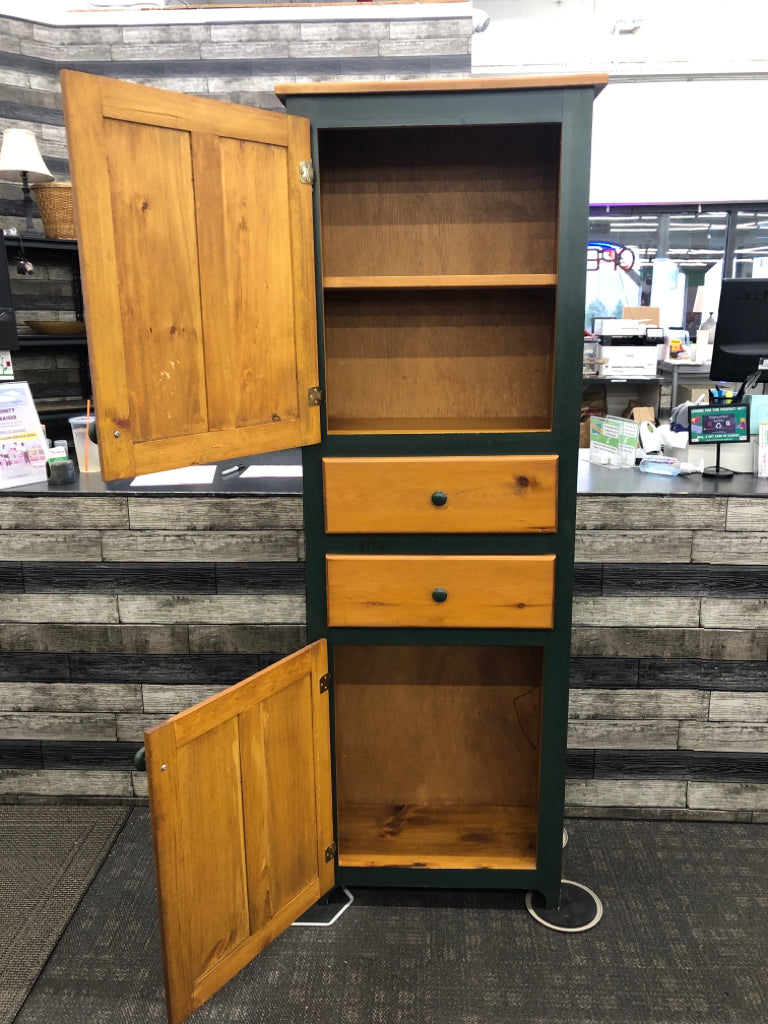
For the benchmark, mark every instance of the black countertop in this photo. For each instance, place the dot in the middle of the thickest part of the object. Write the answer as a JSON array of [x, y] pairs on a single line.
[[592, 479]]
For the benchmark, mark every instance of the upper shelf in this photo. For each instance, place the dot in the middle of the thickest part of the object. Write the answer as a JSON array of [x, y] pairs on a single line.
[[443, 281]]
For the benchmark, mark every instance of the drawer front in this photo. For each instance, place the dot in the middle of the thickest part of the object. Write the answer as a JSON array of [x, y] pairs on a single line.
[[487, 494], [490, 591]]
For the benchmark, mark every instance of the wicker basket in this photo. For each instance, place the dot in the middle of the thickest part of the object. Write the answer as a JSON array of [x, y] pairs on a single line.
[[54, 200]]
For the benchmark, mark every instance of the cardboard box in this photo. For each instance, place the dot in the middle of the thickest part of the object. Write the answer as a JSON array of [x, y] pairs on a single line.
[[648, 315]]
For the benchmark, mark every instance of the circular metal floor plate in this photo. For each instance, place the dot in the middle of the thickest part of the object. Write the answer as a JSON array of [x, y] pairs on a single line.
[[580, 909]]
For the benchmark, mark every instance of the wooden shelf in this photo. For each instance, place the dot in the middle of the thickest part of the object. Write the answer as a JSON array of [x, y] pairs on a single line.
[[427, 425], [444, 281], [412, 835]]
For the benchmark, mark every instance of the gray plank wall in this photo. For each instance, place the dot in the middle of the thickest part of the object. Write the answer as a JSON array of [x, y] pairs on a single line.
[[238, 62], [119, 610]]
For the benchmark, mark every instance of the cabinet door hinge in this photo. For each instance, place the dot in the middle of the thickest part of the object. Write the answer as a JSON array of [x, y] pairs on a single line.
[[306, 172], [330, 852], [325, 682], [314, 396]]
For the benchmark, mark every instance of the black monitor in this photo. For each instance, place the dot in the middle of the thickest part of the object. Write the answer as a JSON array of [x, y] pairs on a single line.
[[741, 335]]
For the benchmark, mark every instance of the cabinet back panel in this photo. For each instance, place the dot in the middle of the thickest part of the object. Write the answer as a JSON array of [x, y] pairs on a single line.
[[437, 725], [474, 355], [467, 199]]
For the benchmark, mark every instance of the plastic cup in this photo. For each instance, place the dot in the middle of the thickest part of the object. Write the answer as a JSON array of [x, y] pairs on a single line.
[[79, 425]]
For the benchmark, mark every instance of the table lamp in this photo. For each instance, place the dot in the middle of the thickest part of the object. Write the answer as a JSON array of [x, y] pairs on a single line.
[[20, 160]]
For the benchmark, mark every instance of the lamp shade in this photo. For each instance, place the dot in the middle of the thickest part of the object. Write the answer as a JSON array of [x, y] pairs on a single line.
[[19, 154]]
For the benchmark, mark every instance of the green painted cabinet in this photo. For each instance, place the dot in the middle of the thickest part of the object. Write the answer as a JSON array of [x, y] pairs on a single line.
[[430, 236]]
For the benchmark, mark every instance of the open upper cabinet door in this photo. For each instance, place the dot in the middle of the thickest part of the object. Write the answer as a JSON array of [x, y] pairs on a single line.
[[242, 822], [196, 251]]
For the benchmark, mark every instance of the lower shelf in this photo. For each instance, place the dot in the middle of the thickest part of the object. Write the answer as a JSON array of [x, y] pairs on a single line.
[[437, 836]]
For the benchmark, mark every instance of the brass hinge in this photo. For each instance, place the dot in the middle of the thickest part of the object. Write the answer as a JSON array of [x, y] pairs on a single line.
[[330, 852], [325, 682], [314, 396], [306, 172]]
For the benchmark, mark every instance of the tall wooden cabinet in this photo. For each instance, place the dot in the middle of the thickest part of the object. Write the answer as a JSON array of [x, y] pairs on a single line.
[[433, 235]]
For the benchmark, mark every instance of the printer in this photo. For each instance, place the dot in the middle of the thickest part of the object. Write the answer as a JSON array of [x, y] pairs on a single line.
[[626, 348]]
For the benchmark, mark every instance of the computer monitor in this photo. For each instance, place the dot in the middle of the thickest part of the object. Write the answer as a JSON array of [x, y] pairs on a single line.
[[741, 335]]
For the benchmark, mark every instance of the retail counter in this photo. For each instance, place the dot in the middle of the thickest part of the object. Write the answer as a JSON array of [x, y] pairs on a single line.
[[120, 606]]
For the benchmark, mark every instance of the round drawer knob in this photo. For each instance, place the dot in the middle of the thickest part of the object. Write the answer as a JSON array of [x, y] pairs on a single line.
[[439, 498], [439, 594]]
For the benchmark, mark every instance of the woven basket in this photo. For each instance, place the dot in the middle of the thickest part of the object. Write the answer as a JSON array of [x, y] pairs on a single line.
[[54, 200]]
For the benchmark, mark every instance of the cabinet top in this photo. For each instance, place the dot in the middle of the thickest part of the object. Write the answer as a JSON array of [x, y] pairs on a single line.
[[598, 81]]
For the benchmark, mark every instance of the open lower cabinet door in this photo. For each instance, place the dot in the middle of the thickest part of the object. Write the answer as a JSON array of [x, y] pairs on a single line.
[[196, 250], [242, 822]]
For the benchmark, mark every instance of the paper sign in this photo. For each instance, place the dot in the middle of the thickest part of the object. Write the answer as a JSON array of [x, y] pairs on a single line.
[[186, 475], [253, 472], [23, 450]]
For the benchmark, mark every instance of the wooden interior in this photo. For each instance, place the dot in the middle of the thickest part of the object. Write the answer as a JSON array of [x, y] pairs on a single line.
[[468, 199], [439, 360], [437, 755]]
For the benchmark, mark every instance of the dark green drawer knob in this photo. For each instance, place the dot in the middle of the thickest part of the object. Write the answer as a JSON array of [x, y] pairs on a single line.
[[439, 594], [439, 498], [140, 760]]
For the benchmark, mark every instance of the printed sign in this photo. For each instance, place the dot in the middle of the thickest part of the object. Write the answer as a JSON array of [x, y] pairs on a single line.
[[22, 442]]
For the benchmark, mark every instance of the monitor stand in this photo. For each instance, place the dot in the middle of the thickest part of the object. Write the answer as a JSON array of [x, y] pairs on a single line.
[[716, 471]]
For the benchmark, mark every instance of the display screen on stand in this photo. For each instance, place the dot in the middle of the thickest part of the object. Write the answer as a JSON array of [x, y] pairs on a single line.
[[719, 424]]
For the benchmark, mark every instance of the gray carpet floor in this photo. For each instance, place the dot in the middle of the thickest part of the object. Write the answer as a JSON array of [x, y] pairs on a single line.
[[684, 940], [48, 857]]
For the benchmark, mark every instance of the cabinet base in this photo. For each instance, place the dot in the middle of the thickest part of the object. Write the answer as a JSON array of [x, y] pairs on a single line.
[[579, 910]]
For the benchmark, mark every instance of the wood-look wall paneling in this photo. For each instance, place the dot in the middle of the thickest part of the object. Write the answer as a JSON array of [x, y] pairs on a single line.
[[642, 705], [719, 548], [669, 679], [49, 546], [191, 514], [170, 545], [681, 765], [218, 608], [634, 546], [714, 736], [68, 512], [660, 514], [11, 579], [637, 610], [119, 578], [611, 673], [215, 669]]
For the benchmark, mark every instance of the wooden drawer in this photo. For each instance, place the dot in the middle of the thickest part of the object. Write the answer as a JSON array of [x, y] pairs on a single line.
[[492, 591], [487, 494]]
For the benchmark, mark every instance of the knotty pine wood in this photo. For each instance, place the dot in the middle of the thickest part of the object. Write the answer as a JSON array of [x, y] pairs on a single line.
[[441, 85], [442, 281], [234, 857], [504, 591], [417, 835], [472, 199], [165, 347], [493, 494], [453, 725]]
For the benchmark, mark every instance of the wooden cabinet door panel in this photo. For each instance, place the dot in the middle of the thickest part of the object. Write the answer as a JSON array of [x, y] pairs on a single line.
[[195, 241], [240, 799]]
